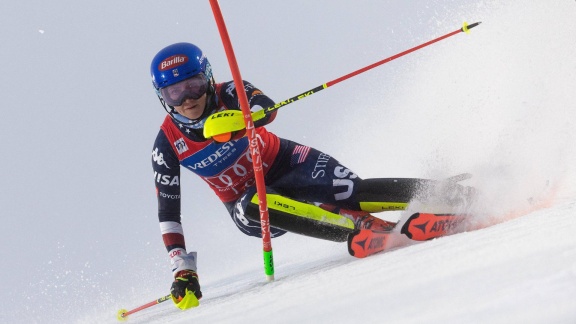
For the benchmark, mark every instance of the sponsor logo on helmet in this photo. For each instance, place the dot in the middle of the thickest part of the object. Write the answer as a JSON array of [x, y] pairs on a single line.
[[208, 71], [172, 62]]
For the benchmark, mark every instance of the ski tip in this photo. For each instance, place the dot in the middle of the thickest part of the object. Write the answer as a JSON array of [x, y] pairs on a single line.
[[365, 242], [351, 237], [406, 227]]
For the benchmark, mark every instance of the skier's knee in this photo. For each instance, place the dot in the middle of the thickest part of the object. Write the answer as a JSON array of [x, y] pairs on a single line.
[[246, 216]]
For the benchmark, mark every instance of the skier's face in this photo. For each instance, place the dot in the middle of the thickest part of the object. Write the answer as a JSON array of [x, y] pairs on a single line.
[[192, 108]]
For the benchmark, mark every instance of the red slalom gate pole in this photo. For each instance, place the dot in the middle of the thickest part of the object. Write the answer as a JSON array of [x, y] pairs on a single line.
[[254, 144]]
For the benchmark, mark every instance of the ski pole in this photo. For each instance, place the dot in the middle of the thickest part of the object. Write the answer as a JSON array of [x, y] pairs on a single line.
[[233, 120], [465, 28], [123, 313], [253, 140]]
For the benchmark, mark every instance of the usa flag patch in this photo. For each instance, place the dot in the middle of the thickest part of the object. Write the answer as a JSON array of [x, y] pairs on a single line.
[[299, 154]]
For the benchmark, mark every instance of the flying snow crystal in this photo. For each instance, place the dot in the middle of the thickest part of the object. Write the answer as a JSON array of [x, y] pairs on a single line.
[[41, 31]]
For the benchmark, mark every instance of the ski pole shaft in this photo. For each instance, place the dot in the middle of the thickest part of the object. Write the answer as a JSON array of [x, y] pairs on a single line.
[[310, 92], [235, 122], [253, 140], [123, 313]]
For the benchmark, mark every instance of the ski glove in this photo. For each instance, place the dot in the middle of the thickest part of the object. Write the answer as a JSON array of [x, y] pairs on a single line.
[[185, 290]]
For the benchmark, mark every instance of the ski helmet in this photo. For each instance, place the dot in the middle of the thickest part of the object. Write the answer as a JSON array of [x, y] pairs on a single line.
[[176, 63]]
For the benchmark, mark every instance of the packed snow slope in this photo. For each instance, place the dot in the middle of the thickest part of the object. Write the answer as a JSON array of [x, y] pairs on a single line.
[[522, 271], [80, 236]]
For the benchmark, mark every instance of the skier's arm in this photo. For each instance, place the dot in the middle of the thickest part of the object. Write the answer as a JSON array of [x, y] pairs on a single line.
[[167, 180], [185, 289], [256, 98]]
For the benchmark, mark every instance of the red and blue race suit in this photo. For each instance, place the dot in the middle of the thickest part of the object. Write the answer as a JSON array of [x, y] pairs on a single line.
[[290, 169]]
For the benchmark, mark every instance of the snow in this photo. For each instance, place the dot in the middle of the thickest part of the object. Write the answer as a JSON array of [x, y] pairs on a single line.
[[523, 270], [80, 237]]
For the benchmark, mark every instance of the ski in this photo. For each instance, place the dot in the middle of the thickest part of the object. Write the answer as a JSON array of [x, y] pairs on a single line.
[[418, 227], [426, 226], [365, 242]]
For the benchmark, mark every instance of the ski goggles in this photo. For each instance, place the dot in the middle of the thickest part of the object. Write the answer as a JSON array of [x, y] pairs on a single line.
[[191, 88]]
